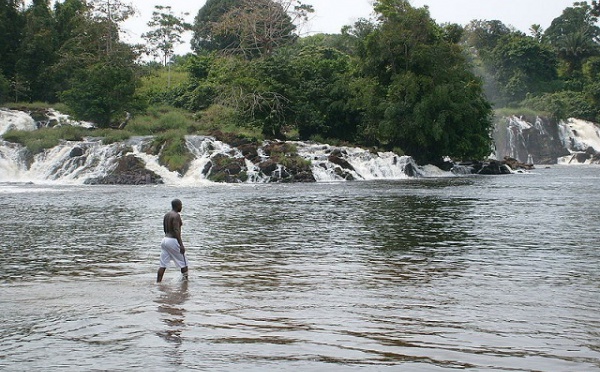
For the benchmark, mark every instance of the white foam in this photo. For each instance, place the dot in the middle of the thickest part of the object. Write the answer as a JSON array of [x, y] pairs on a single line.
[[15, 120]]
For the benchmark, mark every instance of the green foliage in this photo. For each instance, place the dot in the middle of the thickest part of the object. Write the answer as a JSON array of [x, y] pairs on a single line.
[[37, 53], [428, 103], [45, 138], [212, 11], [4, 88], [101, 93], [12, 23], [159, 119], [565, 104], [522, 65], [109, 136], [172, 150]]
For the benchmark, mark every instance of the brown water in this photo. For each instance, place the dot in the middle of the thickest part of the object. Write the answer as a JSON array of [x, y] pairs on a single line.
[[479, 274]]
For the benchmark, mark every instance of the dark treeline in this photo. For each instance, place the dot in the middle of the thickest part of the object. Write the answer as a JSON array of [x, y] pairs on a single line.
[[399, 81]]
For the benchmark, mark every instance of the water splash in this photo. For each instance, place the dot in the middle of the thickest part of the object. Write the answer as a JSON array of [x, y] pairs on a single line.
[[15, 120]]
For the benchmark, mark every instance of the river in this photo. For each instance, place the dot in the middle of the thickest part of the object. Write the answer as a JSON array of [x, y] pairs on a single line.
[[498, 273]]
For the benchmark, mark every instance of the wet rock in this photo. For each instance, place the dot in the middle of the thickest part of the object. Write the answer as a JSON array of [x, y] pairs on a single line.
[[268, 166], [336, 158], [494, 167], [226, 169], [514, 164], [76, 152], [249, 151], [130, 170]]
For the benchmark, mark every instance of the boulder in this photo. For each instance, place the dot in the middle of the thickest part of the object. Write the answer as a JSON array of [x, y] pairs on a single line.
[[268, 166], [129, 170], [335, 158], [76, 152], [223, 168]]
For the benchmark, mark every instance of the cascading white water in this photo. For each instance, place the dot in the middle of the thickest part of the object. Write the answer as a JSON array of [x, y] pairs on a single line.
[[12, 161], [511, 141], [18, 120], [76, 162], [58, 163], [579, 135], [365, 165]]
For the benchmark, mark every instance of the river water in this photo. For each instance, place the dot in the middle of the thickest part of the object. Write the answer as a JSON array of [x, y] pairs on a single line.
[[462, 273]]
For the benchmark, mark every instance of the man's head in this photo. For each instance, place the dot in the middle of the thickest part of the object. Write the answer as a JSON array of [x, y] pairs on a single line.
[[176, 205]]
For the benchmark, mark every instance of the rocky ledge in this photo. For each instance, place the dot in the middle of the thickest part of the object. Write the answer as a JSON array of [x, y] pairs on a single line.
[[128, 171], [492, 167]]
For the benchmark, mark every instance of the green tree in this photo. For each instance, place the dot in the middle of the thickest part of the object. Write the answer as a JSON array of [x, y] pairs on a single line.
[[101, 93], [318, 85], [69, 16], [11, 28], [37, 52], [575, 36], [204, 39], [4, 88], [100, 75], [110, 14], [522, 66], [428, 102], [483, 35], [167, 32]]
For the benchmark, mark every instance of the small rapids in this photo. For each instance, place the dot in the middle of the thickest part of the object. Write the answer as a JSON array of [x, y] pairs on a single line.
[[74, 162]]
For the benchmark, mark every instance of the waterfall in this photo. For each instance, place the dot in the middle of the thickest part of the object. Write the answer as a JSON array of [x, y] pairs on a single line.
[[18, 120], [79, 161], [91, 160], [510, 139], [582, 139], [363, 164]]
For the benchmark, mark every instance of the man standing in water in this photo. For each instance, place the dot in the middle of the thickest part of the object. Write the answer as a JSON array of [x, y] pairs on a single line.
[[172, 246]]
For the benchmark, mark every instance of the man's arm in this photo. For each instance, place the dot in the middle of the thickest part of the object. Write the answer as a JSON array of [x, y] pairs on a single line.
[[177, 229]]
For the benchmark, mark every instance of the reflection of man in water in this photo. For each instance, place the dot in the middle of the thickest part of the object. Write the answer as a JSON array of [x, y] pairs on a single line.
[[171, 306], [172, 248]]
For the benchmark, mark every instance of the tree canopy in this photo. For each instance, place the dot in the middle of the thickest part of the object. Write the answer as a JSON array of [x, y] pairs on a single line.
[[399, 81]]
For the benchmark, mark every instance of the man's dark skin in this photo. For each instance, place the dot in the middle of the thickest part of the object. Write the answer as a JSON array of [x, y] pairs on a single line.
[[172, 226]]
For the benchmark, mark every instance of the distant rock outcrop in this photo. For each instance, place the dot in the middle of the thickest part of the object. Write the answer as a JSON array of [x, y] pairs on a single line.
[[544, 141]]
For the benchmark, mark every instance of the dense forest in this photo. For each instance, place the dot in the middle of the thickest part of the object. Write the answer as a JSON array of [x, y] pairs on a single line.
[[398, 81]]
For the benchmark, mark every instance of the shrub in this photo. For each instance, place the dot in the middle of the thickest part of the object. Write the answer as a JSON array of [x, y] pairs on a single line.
[[173, 151], [45, 138]]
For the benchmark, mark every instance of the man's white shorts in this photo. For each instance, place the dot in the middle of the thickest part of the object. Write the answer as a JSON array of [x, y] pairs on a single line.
[[170, 252]]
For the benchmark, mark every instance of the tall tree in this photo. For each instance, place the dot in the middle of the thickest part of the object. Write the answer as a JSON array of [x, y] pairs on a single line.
[[260, 26], [167, 32], [250, 27], [101, 75], [211, 13], [575, 36], [111, 13], [69, 16], [428, 102], [11, 28], [37, 52], [522, 65]]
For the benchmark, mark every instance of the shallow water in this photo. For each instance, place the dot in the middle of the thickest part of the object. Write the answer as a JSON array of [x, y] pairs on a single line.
[[476, 273]]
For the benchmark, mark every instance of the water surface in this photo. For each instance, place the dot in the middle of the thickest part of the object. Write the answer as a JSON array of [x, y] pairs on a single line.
[[476, 273]]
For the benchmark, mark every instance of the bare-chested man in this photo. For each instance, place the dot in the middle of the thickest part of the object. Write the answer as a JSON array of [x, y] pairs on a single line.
[[172, 248]]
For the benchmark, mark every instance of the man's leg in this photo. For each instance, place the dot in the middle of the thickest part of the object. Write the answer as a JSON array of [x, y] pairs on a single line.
[[159, 275], [184, 272]]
